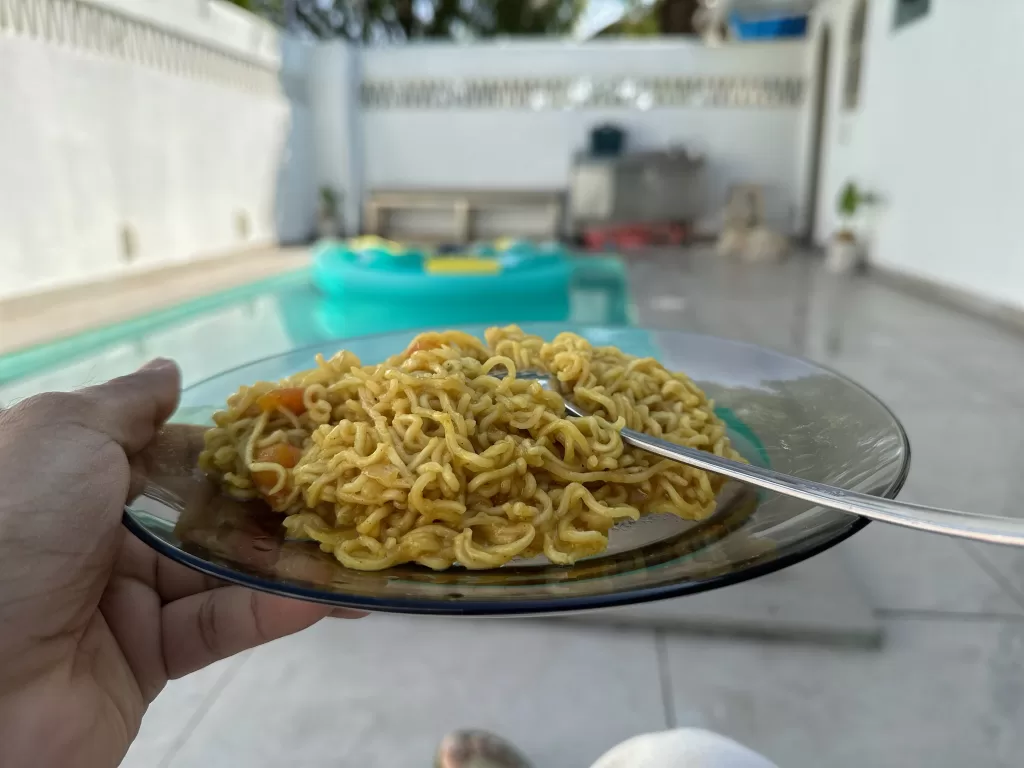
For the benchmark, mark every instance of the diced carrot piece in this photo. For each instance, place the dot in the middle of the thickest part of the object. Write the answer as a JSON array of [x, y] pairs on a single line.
[[285, 454], [280, 453], [290, 398]]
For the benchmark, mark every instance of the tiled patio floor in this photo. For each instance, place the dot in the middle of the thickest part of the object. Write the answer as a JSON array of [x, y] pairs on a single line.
[[945, 690]]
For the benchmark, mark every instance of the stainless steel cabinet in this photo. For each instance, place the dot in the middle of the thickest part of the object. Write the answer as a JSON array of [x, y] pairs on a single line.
[[636, 187]]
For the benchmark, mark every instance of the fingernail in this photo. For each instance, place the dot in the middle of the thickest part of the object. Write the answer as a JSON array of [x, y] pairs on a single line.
[[348, 613], [158, 364]]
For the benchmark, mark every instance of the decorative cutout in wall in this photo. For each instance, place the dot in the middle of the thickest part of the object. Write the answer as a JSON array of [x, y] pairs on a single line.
[[86, 27], [582, 93]]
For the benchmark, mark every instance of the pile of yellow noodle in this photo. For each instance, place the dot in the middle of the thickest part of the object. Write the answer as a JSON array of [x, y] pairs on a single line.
[[441, 455]]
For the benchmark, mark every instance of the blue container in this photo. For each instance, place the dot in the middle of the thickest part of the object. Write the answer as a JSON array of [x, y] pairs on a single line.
[[768, 28], [607, 141]]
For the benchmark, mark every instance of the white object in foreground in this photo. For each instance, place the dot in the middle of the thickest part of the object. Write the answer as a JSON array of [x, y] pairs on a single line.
[[842, 255], [690, 747]]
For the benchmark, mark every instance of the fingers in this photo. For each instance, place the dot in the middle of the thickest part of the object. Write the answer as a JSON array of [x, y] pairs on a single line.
[[169, 580], [210, 626], [129, 409], [132, 613], [348, 613], [175, 581]]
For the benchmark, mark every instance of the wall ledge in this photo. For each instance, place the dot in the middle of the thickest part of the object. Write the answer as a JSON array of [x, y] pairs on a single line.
[[1003, 315]]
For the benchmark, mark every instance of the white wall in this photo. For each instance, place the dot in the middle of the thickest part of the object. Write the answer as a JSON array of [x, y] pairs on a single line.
[[337, 127], [845, 144], [938, 134], [525, 148], [295, 190], [176, 128], [219, 24], [98, 136]]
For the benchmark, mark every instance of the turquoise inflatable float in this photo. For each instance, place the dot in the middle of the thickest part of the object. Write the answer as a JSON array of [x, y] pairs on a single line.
[[414, 288], [375, 268]]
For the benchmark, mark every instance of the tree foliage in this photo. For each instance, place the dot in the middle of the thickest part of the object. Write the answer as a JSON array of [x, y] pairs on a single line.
[[644, 18], [395, 20]]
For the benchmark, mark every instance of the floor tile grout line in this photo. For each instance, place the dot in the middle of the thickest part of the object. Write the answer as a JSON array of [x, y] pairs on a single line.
[[800, 330], [204, 707], [994, 573], [925, 614], [668, 704]]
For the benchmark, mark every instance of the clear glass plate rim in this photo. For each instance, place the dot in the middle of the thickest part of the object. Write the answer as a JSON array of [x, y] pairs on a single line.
[[480, 608], [529, 606]]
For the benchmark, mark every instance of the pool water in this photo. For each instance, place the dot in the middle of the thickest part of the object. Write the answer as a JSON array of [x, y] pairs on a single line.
[[269, 317]]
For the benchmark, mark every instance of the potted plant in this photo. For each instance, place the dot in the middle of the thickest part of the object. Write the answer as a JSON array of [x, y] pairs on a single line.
[[328, 216], [844, 251]]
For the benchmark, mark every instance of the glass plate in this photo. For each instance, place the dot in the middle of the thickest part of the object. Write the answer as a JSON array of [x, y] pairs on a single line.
[[782, 412]]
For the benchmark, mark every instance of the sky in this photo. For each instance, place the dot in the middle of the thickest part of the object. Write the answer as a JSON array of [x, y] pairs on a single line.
[[597, 15]]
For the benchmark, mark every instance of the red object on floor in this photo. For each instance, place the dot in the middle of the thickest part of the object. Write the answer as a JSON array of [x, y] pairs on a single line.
[[610, 237]]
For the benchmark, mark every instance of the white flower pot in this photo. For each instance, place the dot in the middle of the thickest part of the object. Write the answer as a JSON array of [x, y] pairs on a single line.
[[842, 255], [328, 227]]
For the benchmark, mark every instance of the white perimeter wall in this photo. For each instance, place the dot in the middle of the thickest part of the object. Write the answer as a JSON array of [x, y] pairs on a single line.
[[510, 148], [938, 134], [94, 141], [337, 126]]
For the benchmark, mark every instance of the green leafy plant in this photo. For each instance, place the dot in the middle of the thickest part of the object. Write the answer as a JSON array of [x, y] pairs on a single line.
[[328, 201], [379, 21], [329, 220], [851, 199]]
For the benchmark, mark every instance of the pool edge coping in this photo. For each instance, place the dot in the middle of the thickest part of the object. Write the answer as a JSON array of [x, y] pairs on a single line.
[[43, 356]]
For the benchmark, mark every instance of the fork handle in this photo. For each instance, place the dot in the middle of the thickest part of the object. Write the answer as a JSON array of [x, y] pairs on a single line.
[[965, 525]]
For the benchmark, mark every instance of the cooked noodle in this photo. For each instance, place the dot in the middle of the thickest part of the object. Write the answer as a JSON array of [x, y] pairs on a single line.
[[432, 458]]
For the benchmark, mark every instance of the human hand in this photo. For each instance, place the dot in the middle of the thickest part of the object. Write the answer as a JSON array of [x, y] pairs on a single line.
[[94, 622]]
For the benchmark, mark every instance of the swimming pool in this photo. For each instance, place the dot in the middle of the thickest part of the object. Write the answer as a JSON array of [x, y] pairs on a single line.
[[226, 329]]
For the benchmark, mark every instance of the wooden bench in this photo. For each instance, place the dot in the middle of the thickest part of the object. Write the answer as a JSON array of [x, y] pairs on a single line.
[[465, 205]]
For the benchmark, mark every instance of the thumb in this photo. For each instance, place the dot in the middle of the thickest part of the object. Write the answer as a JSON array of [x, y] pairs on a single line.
[[130, 409]]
